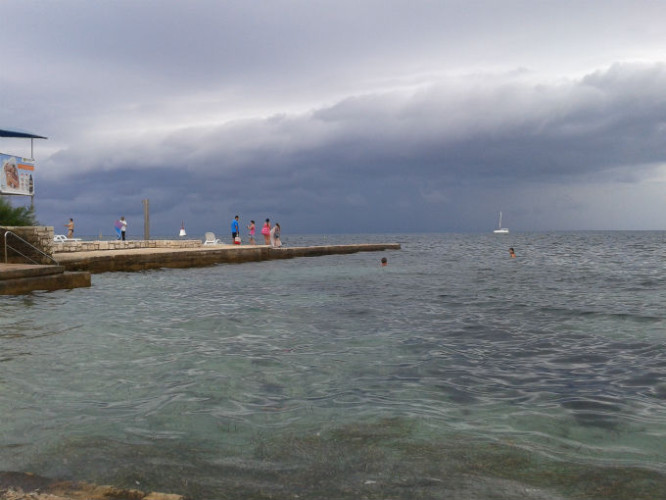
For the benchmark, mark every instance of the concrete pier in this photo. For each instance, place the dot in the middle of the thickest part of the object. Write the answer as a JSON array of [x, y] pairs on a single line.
[[139, 259], [76, 261]]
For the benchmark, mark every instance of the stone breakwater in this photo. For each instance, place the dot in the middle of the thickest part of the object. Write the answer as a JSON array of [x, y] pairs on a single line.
[[139, 259]]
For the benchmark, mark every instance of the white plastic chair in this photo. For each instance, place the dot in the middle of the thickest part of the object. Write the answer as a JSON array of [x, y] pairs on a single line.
[[211, 240], [61, 238]]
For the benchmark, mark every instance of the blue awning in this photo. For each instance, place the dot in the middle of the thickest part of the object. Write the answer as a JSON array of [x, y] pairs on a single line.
[[20, 134]]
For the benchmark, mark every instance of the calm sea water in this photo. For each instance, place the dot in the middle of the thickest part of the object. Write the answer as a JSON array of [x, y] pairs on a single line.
[[455, 372]]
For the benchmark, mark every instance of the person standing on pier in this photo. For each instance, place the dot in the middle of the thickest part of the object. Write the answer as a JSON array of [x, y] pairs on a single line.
[[235, 230], [70, 228], [250, 228], [123, 227], [266, 231], [278, 241], [275, 236]]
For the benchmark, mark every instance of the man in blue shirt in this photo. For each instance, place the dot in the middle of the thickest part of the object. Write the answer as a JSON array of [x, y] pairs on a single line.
[[235, 230]]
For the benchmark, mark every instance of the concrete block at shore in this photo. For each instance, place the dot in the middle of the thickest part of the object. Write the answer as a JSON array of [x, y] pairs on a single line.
[[14, 284]]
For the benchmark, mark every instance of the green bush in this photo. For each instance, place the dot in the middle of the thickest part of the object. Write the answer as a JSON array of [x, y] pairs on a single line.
[[19, 216]]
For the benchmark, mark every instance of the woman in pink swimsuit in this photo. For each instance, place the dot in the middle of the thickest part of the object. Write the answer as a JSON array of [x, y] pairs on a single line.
[[266, 231]]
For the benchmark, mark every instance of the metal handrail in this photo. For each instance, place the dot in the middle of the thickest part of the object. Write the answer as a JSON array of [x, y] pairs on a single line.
[[27, 243]]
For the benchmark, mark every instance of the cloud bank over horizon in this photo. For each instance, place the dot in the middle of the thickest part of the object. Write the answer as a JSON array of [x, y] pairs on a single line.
[[349, 117]]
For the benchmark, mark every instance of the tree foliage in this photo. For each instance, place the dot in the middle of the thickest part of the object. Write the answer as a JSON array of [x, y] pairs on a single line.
[[19, 216]]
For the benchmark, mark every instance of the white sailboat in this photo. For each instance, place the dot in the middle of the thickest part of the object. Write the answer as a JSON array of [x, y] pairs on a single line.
[[500, 229]]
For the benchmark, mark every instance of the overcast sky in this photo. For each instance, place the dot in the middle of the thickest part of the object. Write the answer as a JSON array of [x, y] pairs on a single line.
[[340, 116]]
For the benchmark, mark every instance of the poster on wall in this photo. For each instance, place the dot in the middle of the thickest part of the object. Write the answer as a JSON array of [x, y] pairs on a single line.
[[17, 175]]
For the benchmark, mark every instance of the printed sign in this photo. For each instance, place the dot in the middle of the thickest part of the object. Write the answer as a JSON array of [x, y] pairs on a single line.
[[17, 175]]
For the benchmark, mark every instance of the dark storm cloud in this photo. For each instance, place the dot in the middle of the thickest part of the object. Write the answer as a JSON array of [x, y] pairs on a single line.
[[394, 154], [521, 132]]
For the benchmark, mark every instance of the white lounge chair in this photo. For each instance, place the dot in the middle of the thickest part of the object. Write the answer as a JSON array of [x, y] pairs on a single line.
[[211, 239], [61, 238]]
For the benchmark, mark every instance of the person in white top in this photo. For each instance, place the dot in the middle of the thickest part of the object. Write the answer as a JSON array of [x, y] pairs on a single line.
[[275, 236], [123, 229]]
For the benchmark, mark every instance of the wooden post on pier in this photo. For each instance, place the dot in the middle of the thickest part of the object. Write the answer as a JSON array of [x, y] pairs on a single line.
[[146, 219]]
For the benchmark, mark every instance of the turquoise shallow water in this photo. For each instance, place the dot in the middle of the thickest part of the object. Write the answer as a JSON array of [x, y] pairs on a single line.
[[455, 372]]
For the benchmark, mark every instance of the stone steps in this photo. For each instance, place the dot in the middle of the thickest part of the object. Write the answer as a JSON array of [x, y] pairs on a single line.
[[18, 279]]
